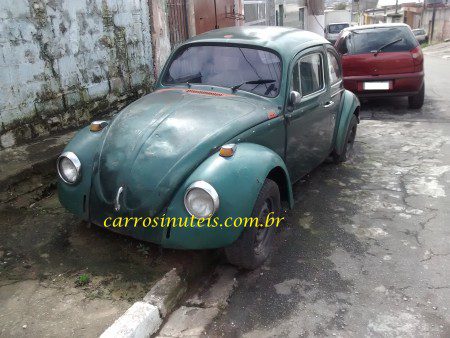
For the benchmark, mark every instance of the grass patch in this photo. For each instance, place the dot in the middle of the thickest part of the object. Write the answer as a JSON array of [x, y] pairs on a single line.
[[82, 280]]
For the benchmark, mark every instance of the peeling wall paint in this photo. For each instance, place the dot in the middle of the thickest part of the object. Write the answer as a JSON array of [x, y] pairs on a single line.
[[63, 61]]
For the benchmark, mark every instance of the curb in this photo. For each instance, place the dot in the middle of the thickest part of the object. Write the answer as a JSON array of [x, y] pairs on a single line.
[[145, 317], [166, 293], [197, 312], [140, 320]]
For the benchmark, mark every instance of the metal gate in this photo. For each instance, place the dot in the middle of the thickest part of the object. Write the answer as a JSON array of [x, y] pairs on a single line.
[[178, 26]]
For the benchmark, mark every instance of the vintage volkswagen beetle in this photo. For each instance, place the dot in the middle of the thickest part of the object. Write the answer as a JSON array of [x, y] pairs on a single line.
[[271, 98]]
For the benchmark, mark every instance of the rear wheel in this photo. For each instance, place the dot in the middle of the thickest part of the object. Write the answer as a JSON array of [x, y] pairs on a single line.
[[347, 152], [253, 246], [416, 101]]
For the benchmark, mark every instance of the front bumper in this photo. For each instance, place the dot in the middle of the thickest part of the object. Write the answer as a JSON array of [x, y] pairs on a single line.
[[188, 236], [401, 84]]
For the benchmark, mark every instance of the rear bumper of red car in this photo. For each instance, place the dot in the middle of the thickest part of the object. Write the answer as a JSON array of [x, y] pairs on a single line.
[[399, 84]]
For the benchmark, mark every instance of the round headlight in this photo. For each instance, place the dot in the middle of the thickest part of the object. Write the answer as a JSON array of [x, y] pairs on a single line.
[[201, 200], [69, 167]]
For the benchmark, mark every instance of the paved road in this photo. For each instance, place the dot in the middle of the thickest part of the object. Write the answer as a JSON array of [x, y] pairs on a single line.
[[367, 251]]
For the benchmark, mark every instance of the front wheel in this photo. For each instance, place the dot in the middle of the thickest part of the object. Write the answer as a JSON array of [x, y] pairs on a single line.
[[416, 101], [253, 246], [347, 152]]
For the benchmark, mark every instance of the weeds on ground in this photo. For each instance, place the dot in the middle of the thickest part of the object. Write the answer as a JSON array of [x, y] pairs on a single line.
[[82, 280]]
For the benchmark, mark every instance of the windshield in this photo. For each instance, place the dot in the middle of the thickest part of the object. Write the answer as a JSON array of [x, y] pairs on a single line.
[[227, 66], [337, 28], [371, 39]]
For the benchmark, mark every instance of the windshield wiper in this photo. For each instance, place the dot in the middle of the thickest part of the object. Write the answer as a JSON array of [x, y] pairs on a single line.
[[189, 79], [257, 82], [384, 46]]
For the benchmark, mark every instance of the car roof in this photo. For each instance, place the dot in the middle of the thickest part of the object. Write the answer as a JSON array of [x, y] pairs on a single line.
[[285, 40], [377, 25]]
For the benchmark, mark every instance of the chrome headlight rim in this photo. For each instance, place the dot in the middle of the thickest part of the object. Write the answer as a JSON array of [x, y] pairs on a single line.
[[209, 189], [76, 162]]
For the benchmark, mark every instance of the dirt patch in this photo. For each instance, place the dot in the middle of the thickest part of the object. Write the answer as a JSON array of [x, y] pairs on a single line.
[[45, 252]]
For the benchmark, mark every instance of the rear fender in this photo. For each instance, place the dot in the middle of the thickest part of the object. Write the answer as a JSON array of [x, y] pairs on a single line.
[[350, 105]]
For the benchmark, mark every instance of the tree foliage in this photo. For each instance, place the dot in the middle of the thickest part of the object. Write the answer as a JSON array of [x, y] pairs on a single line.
[[341, 5]]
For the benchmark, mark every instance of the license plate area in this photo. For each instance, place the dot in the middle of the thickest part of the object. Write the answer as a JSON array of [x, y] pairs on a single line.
[[377, 85]]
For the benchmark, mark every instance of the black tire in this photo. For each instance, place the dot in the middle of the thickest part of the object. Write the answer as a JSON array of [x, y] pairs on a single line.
[[347, 152], [416, 101], [254, 245]]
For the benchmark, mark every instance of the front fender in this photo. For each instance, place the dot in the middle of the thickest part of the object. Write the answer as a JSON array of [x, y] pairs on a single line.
[[75, 198], [350, 104], [237, 180]]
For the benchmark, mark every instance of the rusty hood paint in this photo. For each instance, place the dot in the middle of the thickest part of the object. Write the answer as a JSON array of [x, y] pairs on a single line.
[[156, 142]]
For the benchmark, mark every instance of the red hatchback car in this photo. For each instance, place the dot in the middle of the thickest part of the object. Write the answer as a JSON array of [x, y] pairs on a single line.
[[382, 60]]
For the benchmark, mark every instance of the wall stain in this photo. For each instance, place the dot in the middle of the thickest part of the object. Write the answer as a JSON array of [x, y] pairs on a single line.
[[75, 64]]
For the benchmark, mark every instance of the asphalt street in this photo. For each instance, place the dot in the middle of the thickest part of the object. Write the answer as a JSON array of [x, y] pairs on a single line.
[[365, 251]]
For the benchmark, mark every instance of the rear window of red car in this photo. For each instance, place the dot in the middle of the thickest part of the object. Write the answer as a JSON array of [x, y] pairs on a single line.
[[371, 39]]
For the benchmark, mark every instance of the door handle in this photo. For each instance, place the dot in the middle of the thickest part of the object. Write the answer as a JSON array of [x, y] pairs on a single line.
[[328, 104]]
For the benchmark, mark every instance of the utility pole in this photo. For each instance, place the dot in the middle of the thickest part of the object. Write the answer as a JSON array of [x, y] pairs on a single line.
[[396, 6], [351, 14], [432, 22]]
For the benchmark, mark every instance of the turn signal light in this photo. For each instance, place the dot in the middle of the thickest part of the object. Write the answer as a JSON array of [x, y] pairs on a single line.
[[97, 125], [227, 150]]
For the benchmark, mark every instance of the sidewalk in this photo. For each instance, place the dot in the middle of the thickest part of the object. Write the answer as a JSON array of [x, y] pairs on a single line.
[[439, 50], [25, 168]]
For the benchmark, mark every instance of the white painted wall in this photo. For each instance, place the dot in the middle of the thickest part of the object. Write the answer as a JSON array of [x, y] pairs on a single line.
[[61, 60], [316, 23], [441, 23]]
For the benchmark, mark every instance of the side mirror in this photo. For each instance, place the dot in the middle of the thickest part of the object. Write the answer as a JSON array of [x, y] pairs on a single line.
[[294, 98]]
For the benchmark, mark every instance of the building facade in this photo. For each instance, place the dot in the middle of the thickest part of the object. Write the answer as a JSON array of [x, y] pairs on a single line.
[[416, 15], [301, 14]]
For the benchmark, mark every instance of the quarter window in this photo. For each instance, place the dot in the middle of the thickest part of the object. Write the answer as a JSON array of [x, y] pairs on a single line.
[[333, 68]]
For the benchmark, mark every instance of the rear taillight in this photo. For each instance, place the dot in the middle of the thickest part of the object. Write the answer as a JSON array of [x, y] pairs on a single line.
[[417, 57]]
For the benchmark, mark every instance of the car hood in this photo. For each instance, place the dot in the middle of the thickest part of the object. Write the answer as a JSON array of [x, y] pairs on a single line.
[[157, 141]]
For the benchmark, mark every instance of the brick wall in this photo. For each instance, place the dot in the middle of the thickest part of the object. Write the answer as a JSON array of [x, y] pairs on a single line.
[[64, 61]]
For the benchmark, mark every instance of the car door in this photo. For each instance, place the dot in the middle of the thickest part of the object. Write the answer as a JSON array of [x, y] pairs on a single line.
[[336, 86], [308, 121]]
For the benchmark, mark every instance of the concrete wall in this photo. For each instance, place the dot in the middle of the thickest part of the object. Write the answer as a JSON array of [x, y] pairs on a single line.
[[64, 61], [441, 23], [160, 35]]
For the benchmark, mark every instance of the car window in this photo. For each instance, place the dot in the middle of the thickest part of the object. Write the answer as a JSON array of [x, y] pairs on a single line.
[[371, 39], [307, 76], [419, 32], [333, 68], [337, 28], [226, 66]]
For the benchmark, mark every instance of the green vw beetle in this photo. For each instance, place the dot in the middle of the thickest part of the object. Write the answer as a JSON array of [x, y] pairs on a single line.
[[237, 116]]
